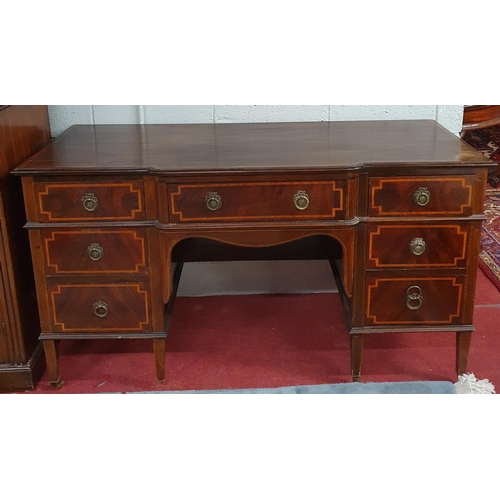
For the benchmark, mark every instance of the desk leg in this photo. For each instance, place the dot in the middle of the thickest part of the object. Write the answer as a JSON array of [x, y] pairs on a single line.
[[159, 351], [463, 343], [50, 350], [159, 344], [356, 355]]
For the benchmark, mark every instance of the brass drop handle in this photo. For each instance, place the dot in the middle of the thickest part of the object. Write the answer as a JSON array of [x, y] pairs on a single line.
[[301, 200], [422, 196], [414, 298], [101, 309], [90, 202], [417, 246], [95, 251], [213, 201]]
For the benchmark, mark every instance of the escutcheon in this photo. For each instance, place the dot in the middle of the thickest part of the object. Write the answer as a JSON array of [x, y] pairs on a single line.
[[95, 251], [90, 202], [301, 200], [101, 309], [417, 246], [422, 196], [213, 201]]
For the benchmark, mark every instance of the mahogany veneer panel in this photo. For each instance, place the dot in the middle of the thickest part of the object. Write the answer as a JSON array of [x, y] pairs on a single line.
[[439, 301], [125, 307], [389, 245], [113, 251], [447, 196], [113, 200], [257, 201]]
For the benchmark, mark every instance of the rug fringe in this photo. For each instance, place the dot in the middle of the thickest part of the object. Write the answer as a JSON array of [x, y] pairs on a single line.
[[469, 384]]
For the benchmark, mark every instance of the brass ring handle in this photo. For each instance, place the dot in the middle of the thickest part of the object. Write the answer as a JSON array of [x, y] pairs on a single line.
[[414, 300], [213, 201], [95, 251], [101, 309], [301, 200], [417, 246], [90, 202], [422, 196]]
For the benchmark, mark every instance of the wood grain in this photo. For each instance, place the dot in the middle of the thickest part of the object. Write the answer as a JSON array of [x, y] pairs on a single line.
[[24, 130], [256, 147], [152, 183]]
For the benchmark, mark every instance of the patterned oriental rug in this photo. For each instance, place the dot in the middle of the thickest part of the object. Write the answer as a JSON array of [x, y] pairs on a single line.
[[487, 141], [489, 258]]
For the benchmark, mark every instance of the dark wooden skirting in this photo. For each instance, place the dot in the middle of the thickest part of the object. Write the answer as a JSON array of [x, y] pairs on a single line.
[[23, 377]]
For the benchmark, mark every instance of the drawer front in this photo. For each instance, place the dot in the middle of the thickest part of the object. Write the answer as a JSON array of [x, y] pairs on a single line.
[[430, 196], [257, 201], [95, 251], [414, 301], [100, 308], [416, 246], [59, 202]]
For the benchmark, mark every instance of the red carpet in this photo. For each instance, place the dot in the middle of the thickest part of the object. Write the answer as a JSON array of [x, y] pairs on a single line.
[[272, 341]]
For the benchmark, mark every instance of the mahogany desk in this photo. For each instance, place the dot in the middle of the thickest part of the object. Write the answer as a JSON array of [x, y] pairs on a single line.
[[396, 205]]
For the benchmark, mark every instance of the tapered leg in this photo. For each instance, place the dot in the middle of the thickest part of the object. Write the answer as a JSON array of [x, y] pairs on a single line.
[[50, 350], [159, 351], [356, 355], [463, 343]]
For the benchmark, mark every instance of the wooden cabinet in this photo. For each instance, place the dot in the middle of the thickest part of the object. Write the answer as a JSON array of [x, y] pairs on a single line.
[[23, 131], [112, 210]]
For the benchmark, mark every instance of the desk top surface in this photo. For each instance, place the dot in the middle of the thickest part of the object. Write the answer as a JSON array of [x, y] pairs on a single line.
[[253, 147]]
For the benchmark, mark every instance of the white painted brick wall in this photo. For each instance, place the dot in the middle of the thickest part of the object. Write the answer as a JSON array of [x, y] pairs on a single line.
[[116, 114], [245, 114], [178, 114], [61, 117], [255, 277]]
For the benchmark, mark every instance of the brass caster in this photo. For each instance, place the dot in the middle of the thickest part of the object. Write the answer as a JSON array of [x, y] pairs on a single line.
[[57, 384]]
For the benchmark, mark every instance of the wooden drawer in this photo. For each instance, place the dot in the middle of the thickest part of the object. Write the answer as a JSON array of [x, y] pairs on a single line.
[[95, 251], [413, 196], [416, 245], [257, 201], [96, 308], [60, 202], [414, 301]]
